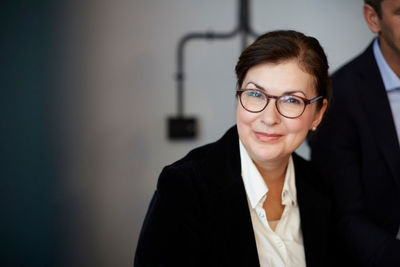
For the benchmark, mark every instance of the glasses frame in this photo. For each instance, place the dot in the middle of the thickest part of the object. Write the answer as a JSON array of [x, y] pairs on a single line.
[[306, 101]]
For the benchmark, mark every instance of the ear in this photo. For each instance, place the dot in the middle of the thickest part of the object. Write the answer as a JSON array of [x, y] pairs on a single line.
[[372, 19], [319, 115]]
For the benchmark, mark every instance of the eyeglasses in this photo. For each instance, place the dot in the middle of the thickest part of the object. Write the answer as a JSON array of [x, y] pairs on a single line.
[[288, 105]]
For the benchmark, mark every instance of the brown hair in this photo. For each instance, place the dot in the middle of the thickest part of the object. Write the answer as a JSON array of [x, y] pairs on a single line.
[[278, 46]]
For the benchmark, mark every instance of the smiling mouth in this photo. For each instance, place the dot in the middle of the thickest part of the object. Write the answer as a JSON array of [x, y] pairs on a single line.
[[265, 137]]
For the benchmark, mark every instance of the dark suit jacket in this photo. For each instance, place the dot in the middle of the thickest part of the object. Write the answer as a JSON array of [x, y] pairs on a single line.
[[357, 144], [199, 215]]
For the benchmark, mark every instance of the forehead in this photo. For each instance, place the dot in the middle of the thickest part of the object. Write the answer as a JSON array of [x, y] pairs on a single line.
[[278, 78]]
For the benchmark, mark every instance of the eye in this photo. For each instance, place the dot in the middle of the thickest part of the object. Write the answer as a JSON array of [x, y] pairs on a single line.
[[254, 93], [291, 100]]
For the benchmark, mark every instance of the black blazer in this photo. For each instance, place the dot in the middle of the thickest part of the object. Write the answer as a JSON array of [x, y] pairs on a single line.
[[199, 215], [357, 144]]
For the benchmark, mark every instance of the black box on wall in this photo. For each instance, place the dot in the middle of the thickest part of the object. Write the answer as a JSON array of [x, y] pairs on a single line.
[[182, 128]]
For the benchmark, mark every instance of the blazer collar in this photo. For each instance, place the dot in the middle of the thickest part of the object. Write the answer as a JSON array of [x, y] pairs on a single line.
[[377, 108]]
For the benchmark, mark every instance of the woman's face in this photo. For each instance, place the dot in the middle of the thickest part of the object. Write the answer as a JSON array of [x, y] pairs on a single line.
[[268, 136]]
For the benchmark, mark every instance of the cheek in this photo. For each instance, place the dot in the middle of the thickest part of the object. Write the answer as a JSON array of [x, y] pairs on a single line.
[[243, 121], [243, 117], [296, 133], [300, 127]]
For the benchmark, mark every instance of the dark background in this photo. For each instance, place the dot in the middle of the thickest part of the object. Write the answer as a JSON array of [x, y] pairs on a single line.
[[29, 225]]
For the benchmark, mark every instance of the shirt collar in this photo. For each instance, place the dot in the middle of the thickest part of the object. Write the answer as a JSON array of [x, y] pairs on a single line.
[[257, 189], [390, 79]]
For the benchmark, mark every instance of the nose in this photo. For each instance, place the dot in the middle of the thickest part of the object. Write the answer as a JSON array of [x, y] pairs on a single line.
[[270, 115]]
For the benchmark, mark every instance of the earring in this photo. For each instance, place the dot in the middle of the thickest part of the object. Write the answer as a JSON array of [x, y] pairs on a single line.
[[314, 128]]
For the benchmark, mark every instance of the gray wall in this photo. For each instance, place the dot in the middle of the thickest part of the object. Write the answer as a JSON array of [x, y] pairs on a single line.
[[117, 70]]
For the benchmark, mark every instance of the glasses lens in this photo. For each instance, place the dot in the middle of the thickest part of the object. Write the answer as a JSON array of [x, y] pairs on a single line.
[[290, 106], [253, 100]]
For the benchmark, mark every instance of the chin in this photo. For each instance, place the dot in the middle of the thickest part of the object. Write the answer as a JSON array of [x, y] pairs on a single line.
[[264, 156]]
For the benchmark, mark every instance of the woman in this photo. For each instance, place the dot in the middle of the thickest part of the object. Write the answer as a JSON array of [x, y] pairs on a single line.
[[248, 199]]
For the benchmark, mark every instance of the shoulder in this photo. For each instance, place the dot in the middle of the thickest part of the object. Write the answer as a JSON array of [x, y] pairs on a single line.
[[360, 66], [348, 81], [302, 165], [357, 62], [308, 175], [185, 169], [201, 164]]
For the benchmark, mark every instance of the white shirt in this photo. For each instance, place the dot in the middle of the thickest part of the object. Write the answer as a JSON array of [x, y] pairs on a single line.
[[284, 246]]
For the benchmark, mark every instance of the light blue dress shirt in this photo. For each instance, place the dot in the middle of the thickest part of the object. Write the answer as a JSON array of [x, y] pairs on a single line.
[[392, 85]]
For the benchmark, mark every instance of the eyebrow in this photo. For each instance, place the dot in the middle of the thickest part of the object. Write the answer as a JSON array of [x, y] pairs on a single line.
[[287, 92], [256, 85]]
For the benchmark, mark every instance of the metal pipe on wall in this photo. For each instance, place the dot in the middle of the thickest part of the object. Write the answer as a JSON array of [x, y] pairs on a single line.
[[184, 128]]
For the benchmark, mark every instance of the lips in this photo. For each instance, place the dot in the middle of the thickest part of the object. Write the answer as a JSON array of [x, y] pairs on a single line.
[[266, 137]]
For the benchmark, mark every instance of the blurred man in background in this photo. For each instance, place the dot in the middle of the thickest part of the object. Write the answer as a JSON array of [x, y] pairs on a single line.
[[358, 143]]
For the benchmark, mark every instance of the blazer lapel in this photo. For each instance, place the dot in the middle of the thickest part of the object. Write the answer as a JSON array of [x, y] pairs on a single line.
[[236, 230], [377, 107], [315, 213], [240, 244]]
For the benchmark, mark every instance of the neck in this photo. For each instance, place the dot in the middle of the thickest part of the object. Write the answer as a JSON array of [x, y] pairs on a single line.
[[273, 173], [391, 55]]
